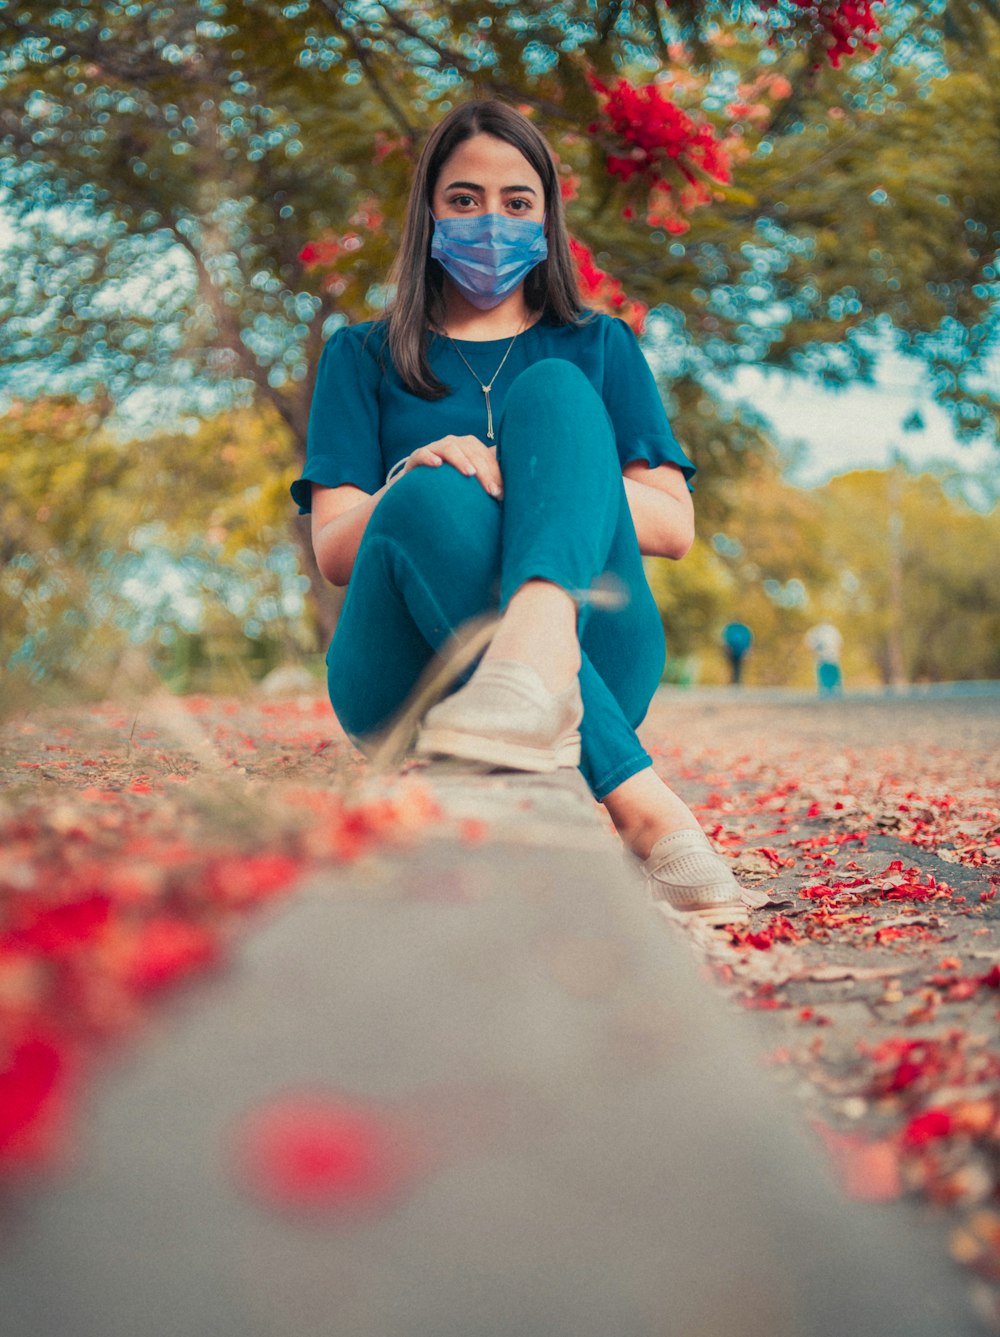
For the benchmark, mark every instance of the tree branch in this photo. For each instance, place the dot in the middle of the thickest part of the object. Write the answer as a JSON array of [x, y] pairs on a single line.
[[227, 323], [470, 70], [364, 59], [78, 45]]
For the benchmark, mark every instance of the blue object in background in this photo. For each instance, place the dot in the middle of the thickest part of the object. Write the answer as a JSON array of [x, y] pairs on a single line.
[[737, 639]]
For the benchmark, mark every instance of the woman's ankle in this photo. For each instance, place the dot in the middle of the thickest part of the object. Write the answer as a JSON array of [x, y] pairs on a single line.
[[538, 628], [644, 809]]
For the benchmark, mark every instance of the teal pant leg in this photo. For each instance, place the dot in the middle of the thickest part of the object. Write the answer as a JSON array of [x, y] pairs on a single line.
[[566, 519], [439, 551], [561, 477], [624, 652], [429, 561]]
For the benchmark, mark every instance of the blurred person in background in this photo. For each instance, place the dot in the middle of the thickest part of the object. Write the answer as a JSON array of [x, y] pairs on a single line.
[[826, 643], [737, 639]]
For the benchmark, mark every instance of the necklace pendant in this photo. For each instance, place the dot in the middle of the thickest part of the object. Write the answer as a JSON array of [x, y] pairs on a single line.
[[489, 415], [489, 385]]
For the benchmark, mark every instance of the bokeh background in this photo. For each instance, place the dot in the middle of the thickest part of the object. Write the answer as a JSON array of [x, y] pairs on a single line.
[[796, 202]]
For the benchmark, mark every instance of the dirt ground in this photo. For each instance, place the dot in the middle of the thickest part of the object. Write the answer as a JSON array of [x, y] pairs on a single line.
[[873, 977]]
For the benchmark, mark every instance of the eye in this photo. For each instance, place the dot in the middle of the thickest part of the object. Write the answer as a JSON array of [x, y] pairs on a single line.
[[519, 206], [462, 201]]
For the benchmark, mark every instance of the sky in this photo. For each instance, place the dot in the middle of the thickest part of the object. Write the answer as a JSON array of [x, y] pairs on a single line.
[[830, 432]]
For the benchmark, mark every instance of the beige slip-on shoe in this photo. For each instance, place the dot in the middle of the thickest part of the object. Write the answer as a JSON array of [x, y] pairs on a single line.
[[505, 716], [691, 882]]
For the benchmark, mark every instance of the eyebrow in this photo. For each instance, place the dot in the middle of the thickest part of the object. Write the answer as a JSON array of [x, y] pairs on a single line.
[[471, 185]]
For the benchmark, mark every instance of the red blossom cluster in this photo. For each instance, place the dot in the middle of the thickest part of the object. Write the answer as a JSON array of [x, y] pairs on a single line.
[[85, 940], [934, 1144], [754, 101], [658, 144], [337, 249], [893, 883], [317, 1152], [329, 249], [387, 145], [569, 185], [778, 929], [921, 1062], [843, 27], [602, 292], [915, 1112], [957, 988]]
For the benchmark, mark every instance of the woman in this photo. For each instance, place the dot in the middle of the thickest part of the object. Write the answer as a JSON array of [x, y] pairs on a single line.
[[490, 445]]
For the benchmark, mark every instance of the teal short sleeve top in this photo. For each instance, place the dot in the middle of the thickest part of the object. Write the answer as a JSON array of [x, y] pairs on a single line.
[[364, 420]]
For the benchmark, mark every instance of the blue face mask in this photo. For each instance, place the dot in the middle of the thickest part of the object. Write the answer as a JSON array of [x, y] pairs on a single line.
[[488, 255]]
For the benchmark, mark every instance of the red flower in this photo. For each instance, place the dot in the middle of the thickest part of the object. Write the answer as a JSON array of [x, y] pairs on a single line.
[[602, 292], [33, 1100], [325, 251], [166, 949], [243, 879], [927, 1127], [55, 930], [904, 1062], [315, 1152], [843, 27], [661, 145], [569, 186]]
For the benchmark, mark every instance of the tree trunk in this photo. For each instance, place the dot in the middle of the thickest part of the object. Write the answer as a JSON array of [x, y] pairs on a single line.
[[897, 655]]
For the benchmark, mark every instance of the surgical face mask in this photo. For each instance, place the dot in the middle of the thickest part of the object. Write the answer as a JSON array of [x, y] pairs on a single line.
[[488, 255]]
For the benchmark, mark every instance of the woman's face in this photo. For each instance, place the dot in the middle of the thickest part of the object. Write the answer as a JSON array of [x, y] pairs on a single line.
[[486, 175]]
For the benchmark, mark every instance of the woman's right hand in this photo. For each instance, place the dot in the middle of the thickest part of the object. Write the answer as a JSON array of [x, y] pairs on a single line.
[[467, 454]]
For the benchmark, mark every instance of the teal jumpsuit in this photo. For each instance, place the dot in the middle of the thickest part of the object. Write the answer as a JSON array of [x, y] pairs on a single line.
[[573, 405]]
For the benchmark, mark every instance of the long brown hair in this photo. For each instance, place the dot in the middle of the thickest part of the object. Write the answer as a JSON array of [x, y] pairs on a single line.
[[550, 288]]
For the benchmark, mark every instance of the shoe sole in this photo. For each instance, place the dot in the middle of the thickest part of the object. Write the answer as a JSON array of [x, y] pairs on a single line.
[[388, 750], [497, 752], [712, 916]]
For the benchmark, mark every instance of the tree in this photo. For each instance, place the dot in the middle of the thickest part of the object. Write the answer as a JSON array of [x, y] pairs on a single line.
[[905, 571], [201, 188], [174, 539], [939, 618]]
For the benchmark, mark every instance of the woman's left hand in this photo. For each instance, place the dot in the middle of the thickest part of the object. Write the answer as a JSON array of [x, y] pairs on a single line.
[[467, 454]]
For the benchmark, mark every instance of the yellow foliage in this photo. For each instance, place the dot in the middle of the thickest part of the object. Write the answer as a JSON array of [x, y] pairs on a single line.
[[904, 572]]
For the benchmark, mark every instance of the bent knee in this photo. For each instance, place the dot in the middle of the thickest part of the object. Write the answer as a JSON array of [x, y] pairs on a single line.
[[427, 503], [544, 398], [444, 524], [551, 376]]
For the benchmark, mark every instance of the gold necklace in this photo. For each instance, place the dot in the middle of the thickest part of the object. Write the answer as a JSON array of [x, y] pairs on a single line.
[[489, 385]]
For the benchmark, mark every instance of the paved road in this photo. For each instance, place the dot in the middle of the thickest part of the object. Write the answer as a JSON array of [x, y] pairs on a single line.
[[982, 689]]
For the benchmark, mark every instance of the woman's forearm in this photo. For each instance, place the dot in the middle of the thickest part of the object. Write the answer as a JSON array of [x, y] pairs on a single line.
[[664, 524], [336, 542]]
